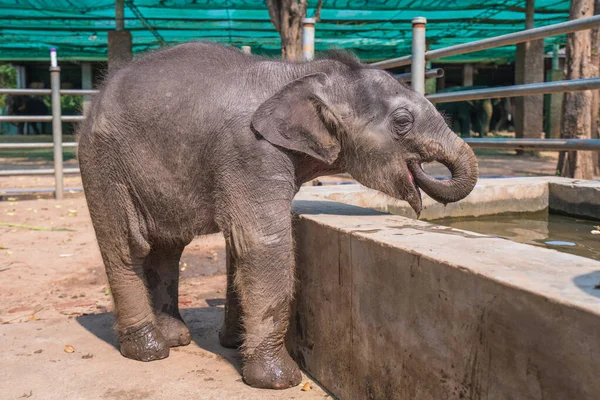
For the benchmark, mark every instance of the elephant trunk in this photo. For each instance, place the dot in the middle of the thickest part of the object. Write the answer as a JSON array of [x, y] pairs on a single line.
[[458, 157]]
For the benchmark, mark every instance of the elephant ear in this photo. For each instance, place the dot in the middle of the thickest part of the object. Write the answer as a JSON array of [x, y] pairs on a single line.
[[297, 118]]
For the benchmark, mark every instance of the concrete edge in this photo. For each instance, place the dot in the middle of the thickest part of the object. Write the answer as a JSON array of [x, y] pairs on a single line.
[[389, 307], [559, 277], [575, 197], [490, 196]]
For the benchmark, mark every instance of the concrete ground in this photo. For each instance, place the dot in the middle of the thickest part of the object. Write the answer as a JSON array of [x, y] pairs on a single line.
[[55, 294]]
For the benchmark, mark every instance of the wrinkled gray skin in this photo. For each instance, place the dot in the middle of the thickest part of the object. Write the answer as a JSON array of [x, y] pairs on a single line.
[[201, 138]]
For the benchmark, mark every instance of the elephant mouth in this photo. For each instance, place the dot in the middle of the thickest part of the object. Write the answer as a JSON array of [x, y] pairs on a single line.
[[413, 197]]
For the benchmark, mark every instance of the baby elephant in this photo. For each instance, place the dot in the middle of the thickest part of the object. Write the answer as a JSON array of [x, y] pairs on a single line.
[[201, 138]]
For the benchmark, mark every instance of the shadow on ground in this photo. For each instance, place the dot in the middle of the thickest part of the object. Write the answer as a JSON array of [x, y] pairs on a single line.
[[204, 324], [315, 207]]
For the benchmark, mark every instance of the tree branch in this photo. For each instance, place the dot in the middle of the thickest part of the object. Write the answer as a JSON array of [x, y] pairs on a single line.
[[317, 13], [274, 7], [286, 16]]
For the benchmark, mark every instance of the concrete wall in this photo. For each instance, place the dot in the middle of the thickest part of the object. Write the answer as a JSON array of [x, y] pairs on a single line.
[[489, 197], [575, 197], [392, 308]]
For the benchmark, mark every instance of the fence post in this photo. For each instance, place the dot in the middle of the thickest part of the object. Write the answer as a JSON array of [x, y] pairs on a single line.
[[56, 125], [308, 39], [119, 15], [418, 54]]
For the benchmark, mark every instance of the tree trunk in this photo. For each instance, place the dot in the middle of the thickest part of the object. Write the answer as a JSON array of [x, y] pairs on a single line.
[[287, 17], [577, 106]]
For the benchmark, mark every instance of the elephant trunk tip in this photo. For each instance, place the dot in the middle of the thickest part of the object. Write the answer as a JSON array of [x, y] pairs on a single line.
[[464, 172]]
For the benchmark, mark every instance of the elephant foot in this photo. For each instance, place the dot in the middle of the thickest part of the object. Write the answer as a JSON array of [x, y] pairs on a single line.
[[271, 371], [144, 344], [174, 330], [230, 338]]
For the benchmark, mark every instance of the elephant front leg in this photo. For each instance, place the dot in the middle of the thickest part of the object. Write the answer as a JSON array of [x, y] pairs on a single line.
[[264, 280], [230, 334]]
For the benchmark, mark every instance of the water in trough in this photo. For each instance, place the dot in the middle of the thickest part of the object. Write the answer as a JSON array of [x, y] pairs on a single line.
[[563, 233]]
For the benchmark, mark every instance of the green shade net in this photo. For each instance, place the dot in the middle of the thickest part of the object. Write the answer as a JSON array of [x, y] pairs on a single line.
[[375, 29]]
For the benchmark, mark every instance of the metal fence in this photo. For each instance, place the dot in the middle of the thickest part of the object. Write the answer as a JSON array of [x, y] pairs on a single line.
[[56, 118], [418, 74], [417, 78]]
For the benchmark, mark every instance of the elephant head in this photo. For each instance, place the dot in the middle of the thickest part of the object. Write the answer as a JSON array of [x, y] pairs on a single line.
[[373, 127]]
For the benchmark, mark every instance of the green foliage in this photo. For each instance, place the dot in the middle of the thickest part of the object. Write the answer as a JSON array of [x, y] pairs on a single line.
[[8, 79], [70, 105]]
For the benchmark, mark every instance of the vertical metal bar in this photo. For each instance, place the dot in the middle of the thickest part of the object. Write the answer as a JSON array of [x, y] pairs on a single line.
[[418, 54], [86, 83], [56, 125], [308, 39], [119, 15], [246, 49]]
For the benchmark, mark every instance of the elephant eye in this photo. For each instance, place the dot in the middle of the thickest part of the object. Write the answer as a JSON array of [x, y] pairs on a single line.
[[402, 122]]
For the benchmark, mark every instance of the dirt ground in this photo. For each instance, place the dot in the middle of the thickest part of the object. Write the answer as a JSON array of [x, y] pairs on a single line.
[[54, 293]]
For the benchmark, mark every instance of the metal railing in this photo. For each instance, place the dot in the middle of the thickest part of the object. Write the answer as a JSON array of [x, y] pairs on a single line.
[[56, 118], [42, 171], [48, 92], [517, 90], [526, 35], [535, 144], [429, 74], [40, 118], [418, 74]]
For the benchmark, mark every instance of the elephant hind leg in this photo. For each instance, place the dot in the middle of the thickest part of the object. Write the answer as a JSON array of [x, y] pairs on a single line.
[[122, 242], [161, 268], [140, 337], [230, 335]]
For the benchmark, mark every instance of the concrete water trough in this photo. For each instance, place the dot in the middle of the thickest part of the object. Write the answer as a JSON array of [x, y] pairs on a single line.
[[389, 307]]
